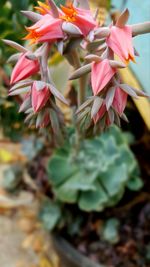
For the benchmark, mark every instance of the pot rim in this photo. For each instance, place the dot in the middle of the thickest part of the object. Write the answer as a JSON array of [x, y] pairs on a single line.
[[66, 251]]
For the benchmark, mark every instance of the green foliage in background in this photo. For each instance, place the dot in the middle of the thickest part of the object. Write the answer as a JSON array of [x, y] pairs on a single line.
[[10, 120], [95, 176], [60, 2], [12, 27], [12, 24]]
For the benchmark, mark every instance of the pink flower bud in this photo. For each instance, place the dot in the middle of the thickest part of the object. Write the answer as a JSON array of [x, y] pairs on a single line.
[[101, 74], [120, 101], [120, 41], [24, 69], [40, 97]]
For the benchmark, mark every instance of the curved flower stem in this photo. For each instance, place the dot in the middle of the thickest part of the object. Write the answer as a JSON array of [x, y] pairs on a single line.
[[82, 90], [81, 95], [141, 28], [43, 62], [137, 29]]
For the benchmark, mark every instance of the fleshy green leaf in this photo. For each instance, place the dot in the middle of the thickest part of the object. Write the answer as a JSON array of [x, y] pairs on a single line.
[[68, 196], [50, 214], [114, 179], [93, 200], [59, 169], [110, 232], [135, 184]]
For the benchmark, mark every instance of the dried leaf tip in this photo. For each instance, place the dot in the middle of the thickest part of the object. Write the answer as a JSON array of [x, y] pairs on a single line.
[[14, 45], [123, 18]]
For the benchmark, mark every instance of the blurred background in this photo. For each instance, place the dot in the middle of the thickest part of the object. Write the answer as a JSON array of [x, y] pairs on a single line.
[[24, 155]]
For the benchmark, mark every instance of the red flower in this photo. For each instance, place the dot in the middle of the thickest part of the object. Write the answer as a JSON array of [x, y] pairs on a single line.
[[101, 74], [120, 41], [39, 97], [47, 29], [24, 68], [82, 18], [120, 101]]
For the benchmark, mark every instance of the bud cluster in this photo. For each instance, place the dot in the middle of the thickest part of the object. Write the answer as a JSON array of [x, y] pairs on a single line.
[[74, 30]]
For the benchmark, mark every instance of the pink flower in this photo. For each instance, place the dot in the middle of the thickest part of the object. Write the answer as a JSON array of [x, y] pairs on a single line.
[[82, 18], [39, 97], [47, 29], [101, 74], [120, 41], [120, 101], [24, 69]]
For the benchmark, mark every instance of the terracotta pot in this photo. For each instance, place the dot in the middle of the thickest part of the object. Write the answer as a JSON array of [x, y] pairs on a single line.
[[69, 256]]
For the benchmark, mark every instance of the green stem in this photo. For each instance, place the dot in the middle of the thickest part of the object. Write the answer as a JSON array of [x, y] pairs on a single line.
[[82, 80]]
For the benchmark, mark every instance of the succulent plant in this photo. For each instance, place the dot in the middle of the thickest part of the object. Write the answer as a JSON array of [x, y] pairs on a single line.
[[74, 30], [12, 177], [95, 176]]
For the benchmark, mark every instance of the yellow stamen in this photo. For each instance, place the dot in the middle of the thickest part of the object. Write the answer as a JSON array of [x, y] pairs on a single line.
[[33, 36], [130, 57], [69, 13], [43, 8]]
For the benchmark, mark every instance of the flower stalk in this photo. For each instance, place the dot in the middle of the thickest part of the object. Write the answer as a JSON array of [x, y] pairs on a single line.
[[141, 28], [82, 79]]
